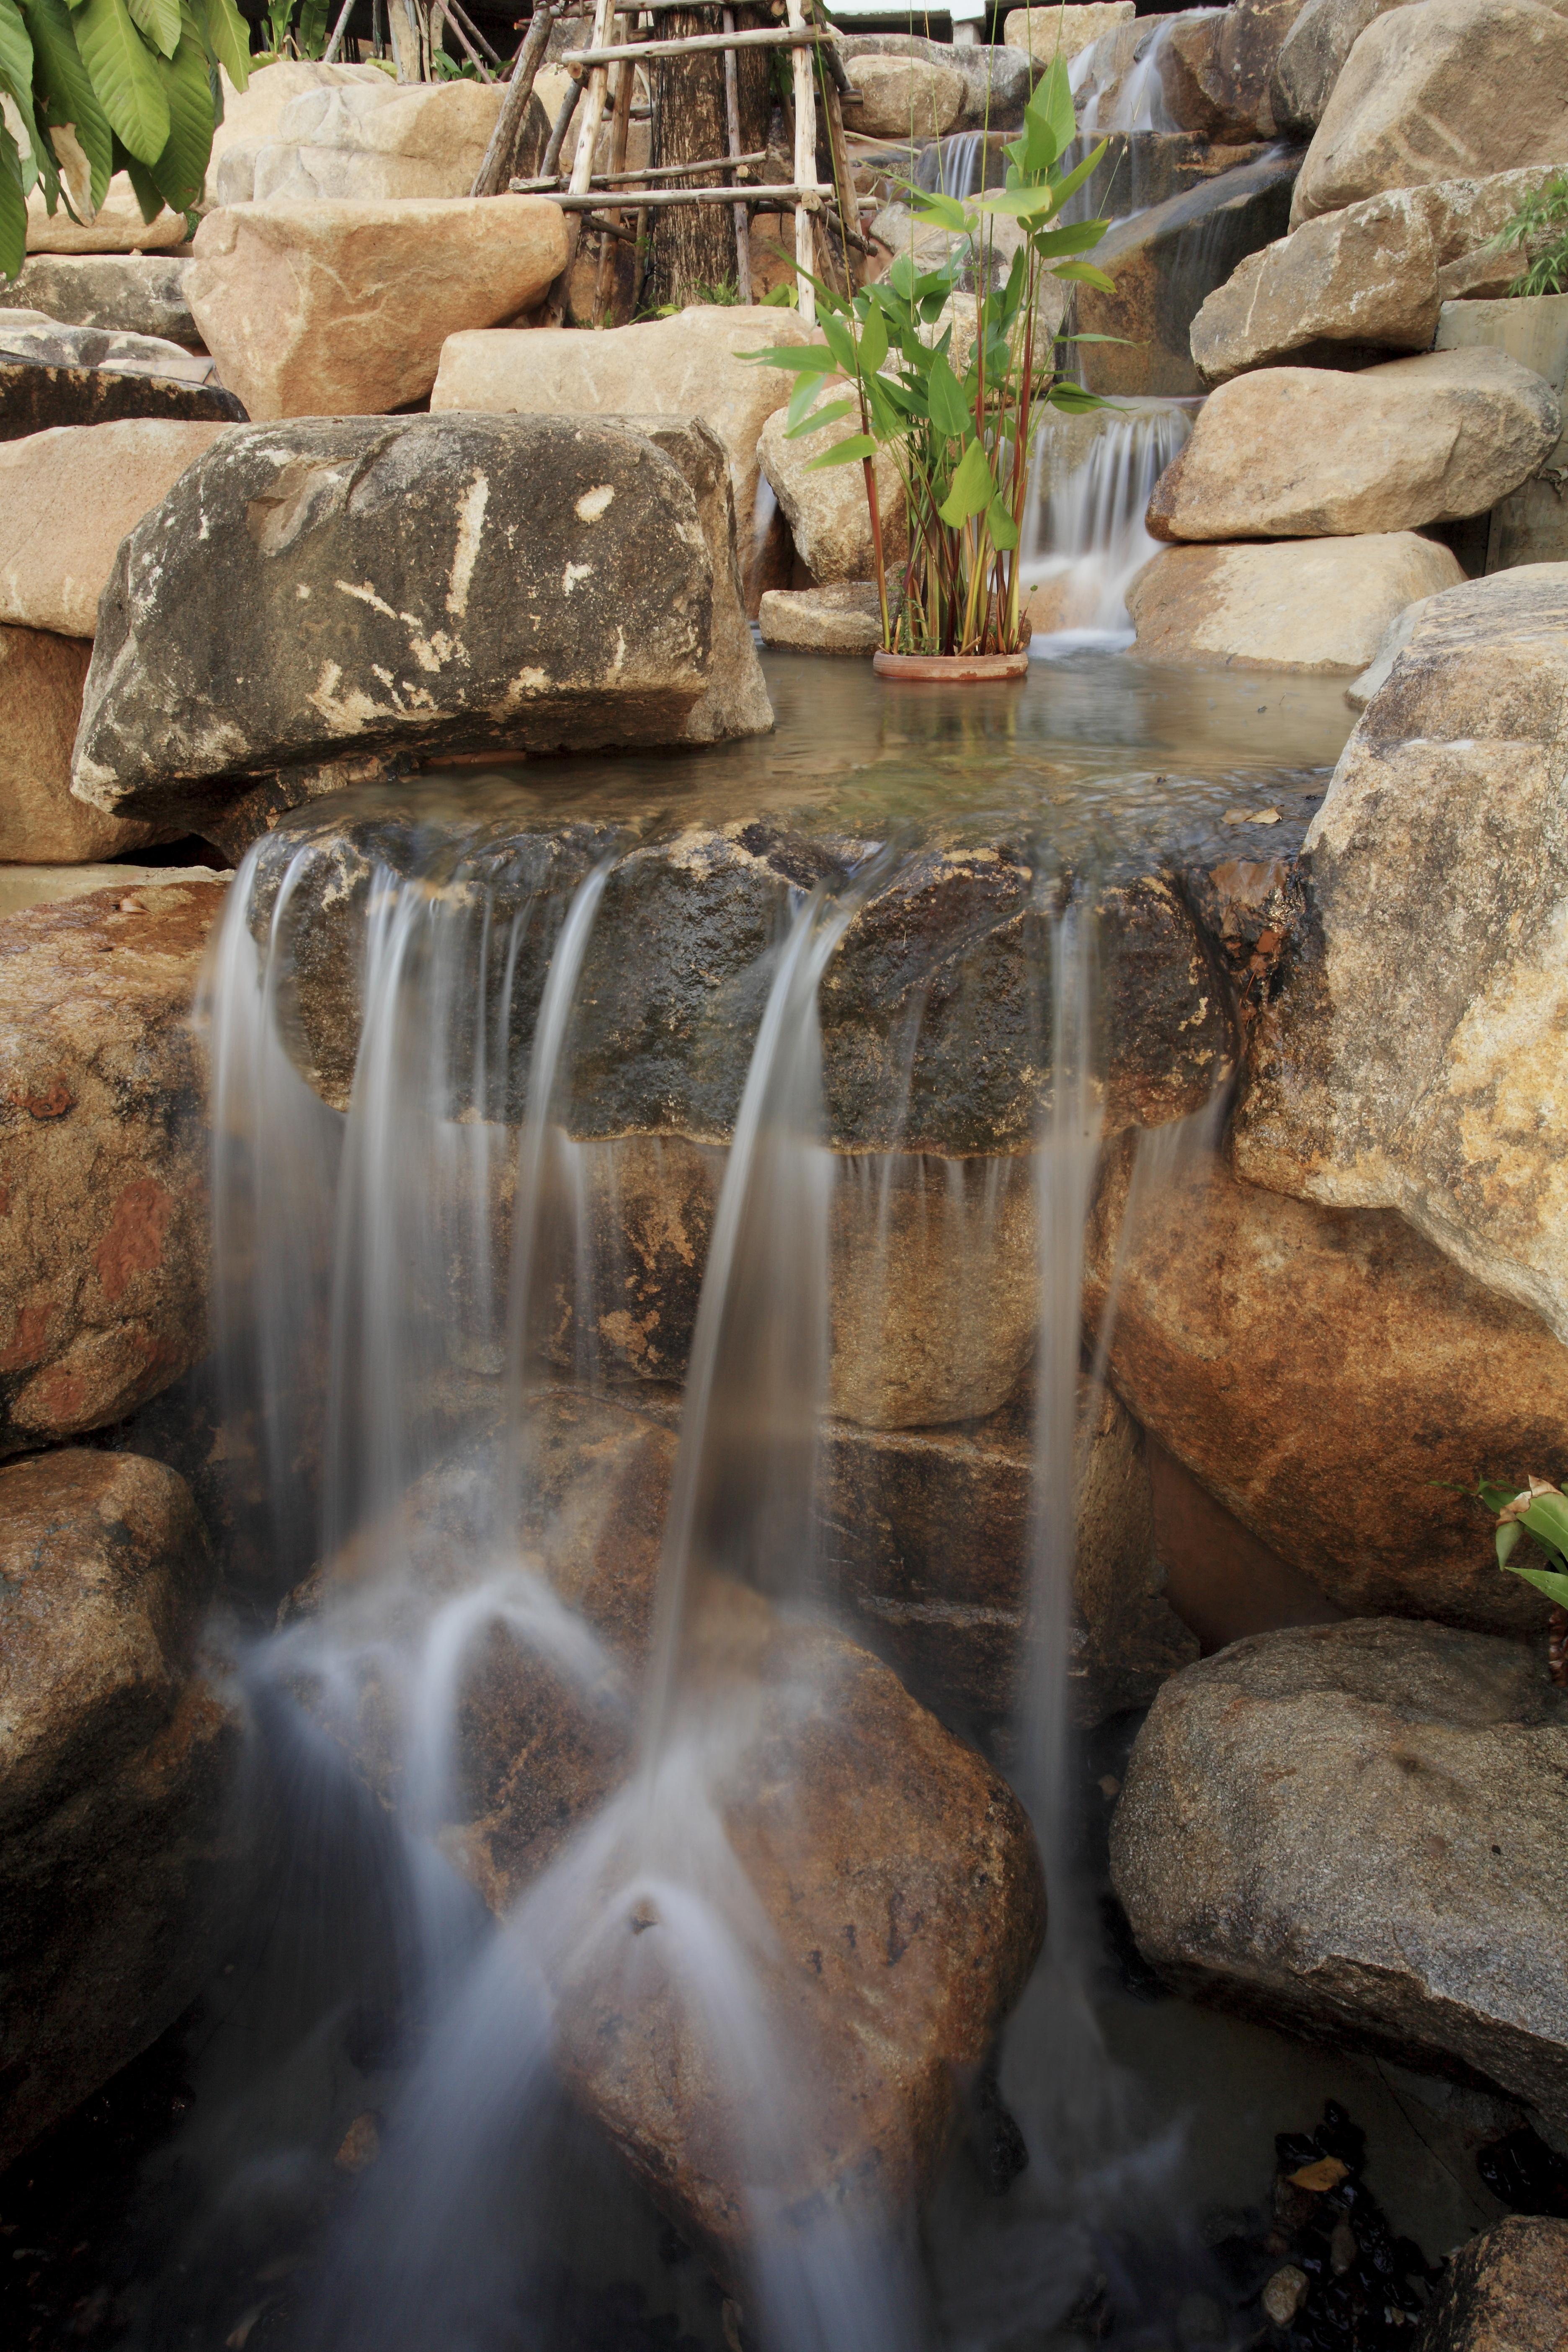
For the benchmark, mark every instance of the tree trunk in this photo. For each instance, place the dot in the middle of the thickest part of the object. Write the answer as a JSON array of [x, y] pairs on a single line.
[[694, 244]]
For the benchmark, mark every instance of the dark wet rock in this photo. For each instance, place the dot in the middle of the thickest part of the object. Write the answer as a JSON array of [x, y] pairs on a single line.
[[1216, 69], [1507, 2291], [934, 1015], [422, 586], [1358, 1830], [53, 373], [1165, 262], [119, 293], [34, 335], [1321, 1372], [103, 1146], [115, 1759]]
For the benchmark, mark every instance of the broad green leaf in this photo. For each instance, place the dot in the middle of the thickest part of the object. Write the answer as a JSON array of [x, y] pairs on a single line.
[[818, 417], [840, 342], [228, 40], [1072, 399], [1086, 274], [16, 68], [808, 389], [873, 342], [970, 490], [1547, 1521], [1017, 203], [13, 207], [149, 195], [1069, 185], [1054, 95], [125, 79], [1004, 530], [843, 453], [180, 171], [812, 359], [160, 21], [1077, 236], [1547, 1580], [65, 89], [937, 211], [947, 409], [1506, 1541]]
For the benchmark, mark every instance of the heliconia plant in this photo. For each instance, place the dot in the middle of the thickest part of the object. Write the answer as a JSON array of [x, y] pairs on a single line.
[[89, 88], [961, 439]]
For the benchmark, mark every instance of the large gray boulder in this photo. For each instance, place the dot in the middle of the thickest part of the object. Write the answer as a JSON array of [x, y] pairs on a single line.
[[998, 77], [327, 598], [1216, 68], [1312, 55], [1358, 1830], [115, 1765], [1411, 1054], [1371, 276], [1307, 453], [1436, 90], [119, 293]]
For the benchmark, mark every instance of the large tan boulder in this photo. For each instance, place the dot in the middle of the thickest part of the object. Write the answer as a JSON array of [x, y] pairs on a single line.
[[1217, 71], [41, 679], [903, 98], [115, 1766], [1300, 453], [68, 498], [341, 308], [1049, 32], [1357, 1830], [117, 226], [1304, 604], [1506, 2291], [1411, 1056], [826, 508], [1375, 273], [1311, 57], [1317, 1369], [364, 144], [102, 1155], [251, 116], [1439, 90], [693, 365]]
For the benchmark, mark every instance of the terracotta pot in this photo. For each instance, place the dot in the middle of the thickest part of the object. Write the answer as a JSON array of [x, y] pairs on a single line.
[[950, 670]]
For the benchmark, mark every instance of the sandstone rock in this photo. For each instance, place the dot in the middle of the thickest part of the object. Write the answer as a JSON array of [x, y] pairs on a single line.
[[1311, 55], [1529, 525], [343, 308], [47, 885], [846, 619], [1164, 262], [114, 1764], [68, 498], [41, 679], [1045, 33], [1371, 276], [1357, 1829], [1307, 453], [996, 79], [827, 509], [903, 98], [1411, 1058], [1307, 603], [129, 293], [251, 116], [367, 144], [394, 619], [1465, 87], [1506, 2291], [693, 365], [102, 1155], [1391, 645], [1216, 71], [117, 226], [1317, 1369]]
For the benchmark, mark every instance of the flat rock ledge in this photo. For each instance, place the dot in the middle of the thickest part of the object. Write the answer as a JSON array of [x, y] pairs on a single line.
[[1359, 1831]]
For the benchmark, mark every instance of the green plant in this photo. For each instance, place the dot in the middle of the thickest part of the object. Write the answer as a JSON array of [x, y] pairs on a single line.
[[96, 87], [725, 296], [1541, 213], [1541, 1512], [298, 28], [960, 436]]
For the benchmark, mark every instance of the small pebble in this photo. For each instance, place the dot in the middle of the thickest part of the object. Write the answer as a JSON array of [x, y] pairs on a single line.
[[1342, 2248], [1284, 2294], [1110, 1786], [361, 2145], [1327, 2173]]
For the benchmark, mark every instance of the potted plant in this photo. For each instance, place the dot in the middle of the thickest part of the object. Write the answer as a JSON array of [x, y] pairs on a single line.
[[959, 435]]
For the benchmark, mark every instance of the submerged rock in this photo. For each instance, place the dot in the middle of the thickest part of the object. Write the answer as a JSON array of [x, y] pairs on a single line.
[[68, 498], [325, 309], [1331, 1379], [843, 619], [1296, 453], [1303, 604], [1506, 2291], [340, 593], [1410, 1056], [102, 1155], [1358, 1830], [115, 1762], [1465, 87], [41, 679]]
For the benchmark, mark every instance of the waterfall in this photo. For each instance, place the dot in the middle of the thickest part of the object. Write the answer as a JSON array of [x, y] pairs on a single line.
[[1130, 97], [1084, 537]]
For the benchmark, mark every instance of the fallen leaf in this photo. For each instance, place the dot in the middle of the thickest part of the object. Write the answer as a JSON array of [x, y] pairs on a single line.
[[1327, 2173], [361, 2145]]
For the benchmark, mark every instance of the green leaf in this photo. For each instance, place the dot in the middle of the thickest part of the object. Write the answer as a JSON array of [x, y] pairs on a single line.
[[159, 20], [17, 79], [970, 490], [937, 211], [818, 418], [1072, 399], [149, 194], [124, 77], [808, 389], [812, 359], [228, 40], [1004, 530], [180, 171], [843, 453], [1547, 1521], [1073, 180], [65, 90], [1086, 274], [1077, 236], [840, 342], [873, 341], [947, 409], [1506, 1541], [1017, 203], [1054, 99], [13, 206], [1547, 1580]]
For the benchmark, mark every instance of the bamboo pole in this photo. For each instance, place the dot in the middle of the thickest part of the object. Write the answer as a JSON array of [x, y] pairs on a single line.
[[809, 198], [733, 136], [551, 160], [620, 122], [691, 45], [492, 175], [441, 14], [805, 153], [646, 175]]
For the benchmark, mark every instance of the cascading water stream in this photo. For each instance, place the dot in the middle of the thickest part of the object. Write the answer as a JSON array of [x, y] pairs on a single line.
[[1084, 539]]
